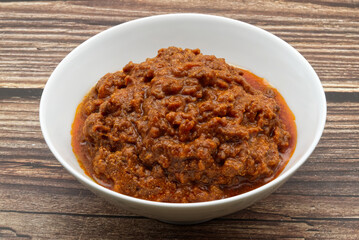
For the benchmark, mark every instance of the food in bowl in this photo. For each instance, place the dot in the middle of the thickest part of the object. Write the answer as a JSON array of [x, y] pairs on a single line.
[[183, 127]]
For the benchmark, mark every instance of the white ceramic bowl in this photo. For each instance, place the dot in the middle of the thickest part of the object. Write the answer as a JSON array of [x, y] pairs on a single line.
[[239, 43]]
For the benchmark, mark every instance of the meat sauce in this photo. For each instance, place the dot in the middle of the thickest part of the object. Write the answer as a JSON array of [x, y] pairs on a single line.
[[183, 127]]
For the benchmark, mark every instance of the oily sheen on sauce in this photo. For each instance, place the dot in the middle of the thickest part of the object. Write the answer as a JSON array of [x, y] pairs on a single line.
[[183, 127]]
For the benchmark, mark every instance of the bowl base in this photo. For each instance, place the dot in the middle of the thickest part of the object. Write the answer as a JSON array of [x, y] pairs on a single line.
[[185, 222]]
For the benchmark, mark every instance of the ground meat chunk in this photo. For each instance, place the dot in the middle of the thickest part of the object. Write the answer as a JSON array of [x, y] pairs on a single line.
[[181, 127]]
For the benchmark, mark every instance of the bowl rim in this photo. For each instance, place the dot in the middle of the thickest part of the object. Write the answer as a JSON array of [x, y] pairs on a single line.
[[194, 16]]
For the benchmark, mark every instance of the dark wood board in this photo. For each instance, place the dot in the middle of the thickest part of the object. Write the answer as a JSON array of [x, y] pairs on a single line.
[[39, 199]]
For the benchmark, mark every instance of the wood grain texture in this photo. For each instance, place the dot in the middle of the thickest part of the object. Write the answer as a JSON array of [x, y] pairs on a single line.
[[37, 35], [39, 199], [319, 201]]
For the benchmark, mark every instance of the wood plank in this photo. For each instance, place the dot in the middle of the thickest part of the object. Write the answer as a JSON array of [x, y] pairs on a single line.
[[37, 35], [88, 227], [20, 128], [77, 200]]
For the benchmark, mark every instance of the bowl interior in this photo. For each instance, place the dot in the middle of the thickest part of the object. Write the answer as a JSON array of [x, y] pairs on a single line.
[[239, 43]]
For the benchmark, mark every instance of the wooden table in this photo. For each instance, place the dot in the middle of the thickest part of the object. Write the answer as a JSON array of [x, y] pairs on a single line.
[[39, 199]]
